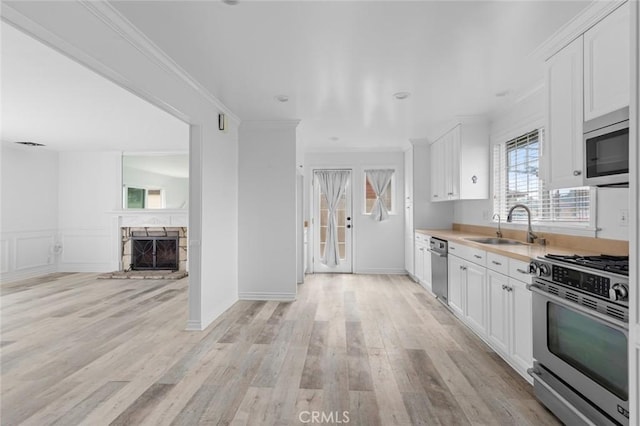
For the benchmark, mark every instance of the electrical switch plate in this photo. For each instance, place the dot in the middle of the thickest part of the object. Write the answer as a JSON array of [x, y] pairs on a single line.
[[485, 214], [623, 218]]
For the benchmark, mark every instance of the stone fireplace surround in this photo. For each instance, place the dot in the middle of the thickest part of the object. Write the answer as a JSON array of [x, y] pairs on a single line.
[[153, 222]]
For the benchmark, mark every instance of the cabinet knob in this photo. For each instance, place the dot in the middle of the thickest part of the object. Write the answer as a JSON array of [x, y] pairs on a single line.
[[577, 172]]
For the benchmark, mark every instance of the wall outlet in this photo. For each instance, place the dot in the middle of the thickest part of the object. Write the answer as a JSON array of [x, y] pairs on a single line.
[[623, 217]]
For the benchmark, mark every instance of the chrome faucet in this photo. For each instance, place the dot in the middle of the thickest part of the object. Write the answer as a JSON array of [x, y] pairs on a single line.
[[530, 235], [498, 232]]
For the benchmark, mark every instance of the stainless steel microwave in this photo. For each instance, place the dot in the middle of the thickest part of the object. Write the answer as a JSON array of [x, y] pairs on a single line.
[[606, 149]]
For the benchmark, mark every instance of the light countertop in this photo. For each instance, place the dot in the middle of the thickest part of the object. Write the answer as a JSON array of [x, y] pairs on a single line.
[[520, 252]]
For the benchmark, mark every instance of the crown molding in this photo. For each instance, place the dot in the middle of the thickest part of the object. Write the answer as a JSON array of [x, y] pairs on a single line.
[[130, 33], [353, 149], [573, 29], [269, 124]]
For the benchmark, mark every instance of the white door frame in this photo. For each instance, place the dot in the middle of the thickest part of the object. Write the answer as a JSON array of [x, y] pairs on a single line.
[[316, 265]]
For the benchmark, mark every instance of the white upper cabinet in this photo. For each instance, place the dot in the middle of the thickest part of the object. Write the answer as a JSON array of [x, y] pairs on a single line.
[[606, 64], [460, 164], [562, 149], [437, 170]]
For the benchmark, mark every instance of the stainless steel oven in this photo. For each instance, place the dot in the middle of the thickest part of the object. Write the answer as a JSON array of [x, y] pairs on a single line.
[[606, 149], [580, 342]]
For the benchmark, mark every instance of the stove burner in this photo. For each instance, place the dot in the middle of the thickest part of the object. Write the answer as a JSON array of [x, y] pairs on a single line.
[[615, 264]]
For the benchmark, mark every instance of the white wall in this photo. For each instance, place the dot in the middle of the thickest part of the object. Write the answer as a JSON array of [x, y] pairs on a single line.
[[525, 116], [89, 191], [29, 211], [378, 247], [267, 210]]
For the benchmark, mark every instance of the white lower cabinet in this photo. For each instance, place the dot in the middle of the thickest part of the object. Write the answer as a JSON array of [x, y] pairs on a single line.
[[521, 352], [476, 285], [509, 327], [497, 307], [422, 261], [456, 280]]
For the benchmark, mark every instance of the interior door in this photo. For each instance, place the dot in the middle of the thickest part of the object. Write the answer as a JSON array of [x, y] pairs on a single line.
[[344, 222]]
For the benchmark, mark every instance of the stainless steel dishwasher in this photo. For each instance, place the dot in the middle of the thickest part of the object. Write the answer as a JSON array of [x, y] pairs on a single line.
[[439, 275]]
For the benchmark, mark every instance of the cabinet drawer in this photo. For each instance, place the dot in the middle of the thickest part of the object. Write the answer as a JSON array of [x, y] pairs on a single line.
[[471, 254], [498, 263], [477, 256], [519, 270], [419, 238]]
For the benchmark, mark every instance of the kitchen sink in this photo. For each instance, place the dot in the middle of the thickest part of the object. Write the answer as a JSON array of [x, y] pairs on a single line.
[[496, 241]]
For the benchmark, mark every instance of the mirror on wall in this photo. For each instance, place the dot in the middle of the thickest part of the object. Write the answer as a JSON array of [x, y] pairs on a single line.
[[155, 181]]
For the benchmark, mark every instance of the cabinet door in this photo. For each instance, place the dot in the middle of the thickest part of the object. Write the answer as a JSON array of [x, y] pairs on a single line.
[[437, 171], [426, 264], [606, 64], [409, 240], [408, 175], [456, 283], [563, 146], [522, 329], [498, 311], [452, 163], [419, 262], [476, 296]]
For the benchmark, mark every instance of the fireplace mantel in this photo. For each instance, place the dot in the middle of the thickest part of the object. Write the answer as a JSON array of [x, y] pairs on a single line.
[[152, 217]]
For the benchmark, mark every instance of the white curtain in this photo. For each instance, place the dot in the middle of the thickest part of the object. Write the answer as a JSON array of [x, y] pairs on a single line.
[[333, 184], [379, 181]]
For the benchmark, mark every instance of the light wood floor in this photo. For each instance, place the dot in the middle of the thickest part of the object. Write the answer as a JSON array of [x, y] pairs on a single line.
[[368, 350]]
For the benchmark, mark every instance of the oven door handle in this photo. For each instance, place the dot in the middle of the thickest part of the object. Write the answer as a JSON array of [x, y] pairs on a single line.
[[620, 324], [533, 372]]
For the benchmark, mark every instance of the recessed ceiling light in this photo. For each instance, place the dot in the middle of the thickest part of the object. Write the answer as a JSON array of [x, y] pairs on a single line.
[[503, 93], [401, 95], [230, 2], [282, 98], [334, 139], [28, 143]]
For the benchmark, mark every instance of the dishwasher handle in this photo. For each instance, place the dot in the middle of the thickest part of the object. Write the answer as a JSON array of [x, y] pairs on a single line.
[[437, 254]]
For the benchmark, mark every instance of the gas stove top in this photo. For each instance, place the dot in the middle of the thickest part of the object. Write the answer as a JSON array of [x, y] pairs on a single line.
[[613, 264]]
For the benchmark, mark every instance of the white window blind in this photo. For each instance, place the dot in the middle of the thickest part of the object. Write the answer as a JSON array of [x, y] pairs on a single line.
[[516, 180]]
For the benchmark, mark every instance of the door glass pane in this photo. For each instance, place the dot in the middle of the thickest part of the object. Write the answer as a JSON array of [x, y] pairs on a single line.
[[341, 215], [595, 349]]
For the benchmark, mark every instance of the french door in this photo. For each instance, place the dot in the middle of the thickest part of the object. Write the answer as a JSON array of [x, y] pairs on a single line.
[[323, 259]]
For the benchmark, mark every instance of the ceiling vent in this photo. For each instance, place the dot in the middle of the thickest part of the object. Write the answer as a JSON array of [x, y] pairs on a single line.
[[27, 143]]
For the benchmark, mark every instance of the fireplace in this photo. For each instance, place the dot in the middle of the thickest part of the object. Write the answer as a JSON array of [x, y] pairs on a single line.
[[154, 251], [154, 248]]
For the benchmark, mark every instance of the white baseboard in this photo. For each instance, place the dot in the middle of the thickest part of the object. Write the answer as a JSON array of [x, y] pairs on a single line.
[[24, 274], [194, 325], [87, 267], [381, 271], [279, 297]]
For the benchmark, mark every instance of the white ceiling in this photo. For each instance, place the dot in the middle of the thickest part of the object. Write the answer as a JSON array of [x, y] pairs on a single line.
[[48, 98], [338, 61]]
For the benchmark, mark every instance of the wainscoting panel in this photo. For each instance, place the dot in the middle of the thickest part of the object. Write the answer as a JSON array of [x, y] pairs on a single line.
[[88, 251], [4, 256], [27, 254]]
